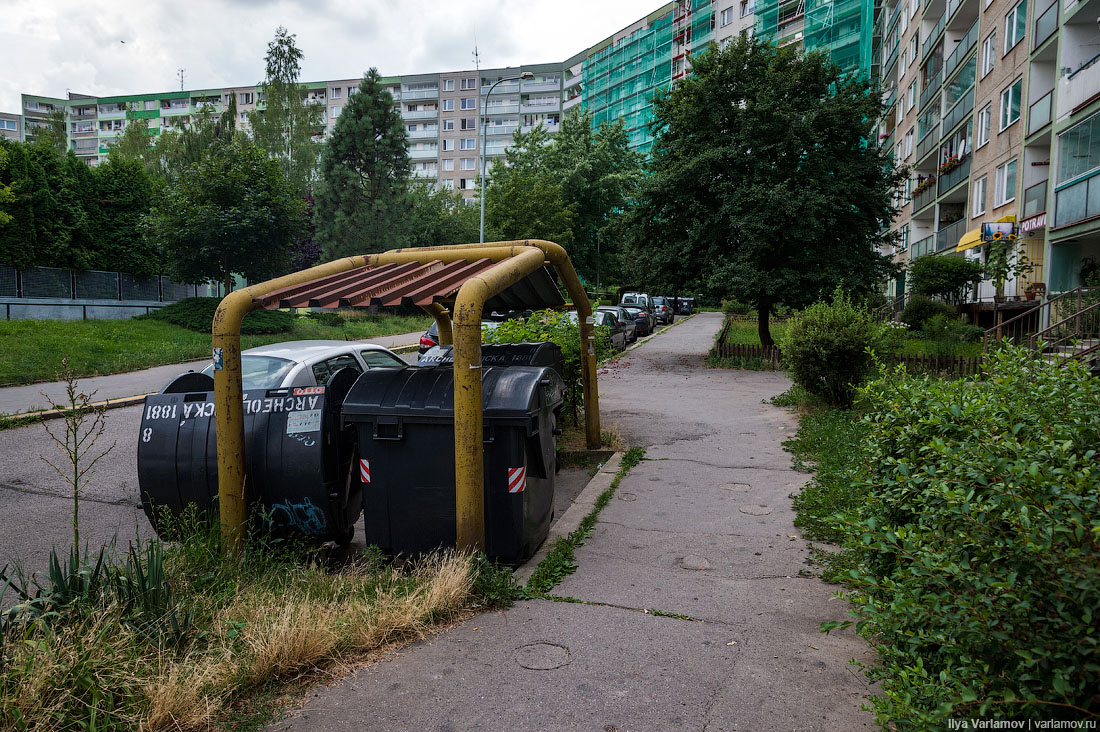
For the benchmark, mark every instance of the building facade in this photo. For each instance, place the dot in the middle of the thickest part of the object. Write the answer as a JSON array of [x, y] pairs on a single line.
[[995, 106]]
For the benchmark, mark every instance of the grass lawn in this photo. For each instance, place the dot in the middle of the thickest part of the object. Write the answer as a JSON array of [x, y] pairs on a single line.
[[33, 349], [744, 333]]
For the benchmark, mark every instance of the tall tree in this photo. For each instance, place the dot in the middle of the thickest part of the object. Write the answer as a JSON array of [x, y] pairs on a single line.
[[135, 142], [438, 216], [286, 123], [54, 133], [124, 193], [767, 182], [232, 213], [362, 195], [178, 150], [6, 195]]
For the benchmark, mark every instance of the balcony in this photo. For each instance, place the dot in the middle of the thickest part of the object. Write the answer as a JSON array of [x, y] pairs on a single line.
[[502, 109], [550, 127], [1045, 25], [921, 248], [495, 150], [420, 94], [890, 59], [424, 154], [540, 86], [933, 37], [931, 91], [423, 134], [1038, 114], [503, 88], [426, 173], [961, 51], [953, 177], [552, 106], [1077, 202], [499, 130], [570, 83], [952, 6], [1035, 200], [420, 114], [960, 111], [928, 143], [570, 103], [924, 198], [948, 236]]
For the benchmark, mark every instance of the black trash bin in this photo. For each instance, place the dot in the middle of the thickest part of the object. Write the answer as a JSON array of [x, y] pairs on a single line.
[[502, 354], [405, 421], [300, 464]]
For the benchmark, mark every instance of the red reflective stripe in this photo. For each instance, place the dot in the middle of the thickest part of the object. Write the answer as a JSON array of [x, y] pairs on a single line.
[[364, 470], [517, 480]]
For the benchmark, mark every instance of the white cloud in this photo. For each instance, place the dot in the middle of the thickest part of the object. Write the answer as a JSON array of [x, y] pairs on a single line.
[[133, 47]]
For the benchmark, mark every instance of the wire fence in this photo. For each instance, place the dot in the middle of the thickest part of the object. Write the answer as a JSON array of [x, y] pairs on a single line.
[[56, 283]]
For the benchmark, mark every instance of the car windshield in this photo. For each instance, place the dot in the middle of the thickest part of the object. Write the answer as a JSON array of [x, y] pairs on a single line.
[[260, 372]]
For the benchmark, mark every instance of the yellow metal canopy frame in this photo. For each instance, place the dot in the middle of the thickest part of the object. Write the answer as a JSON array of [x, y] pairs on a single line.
[[512, 261]]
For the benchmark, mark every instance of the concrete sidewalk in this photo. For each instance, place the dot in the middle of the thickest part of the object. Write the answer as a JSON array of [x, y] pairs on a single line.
[[23, 399], [701, 529]]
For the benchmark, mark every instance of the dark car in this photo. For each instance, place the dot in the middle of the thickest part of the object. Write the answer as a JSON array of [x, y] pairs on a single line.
[[664, 310], [685, 305], [616, 330], [642, 318], [430, 339], [625, 319]]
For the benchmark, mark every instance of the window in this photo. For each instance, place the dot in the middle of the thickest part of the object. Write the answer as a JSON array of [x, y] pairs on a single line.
[[913, 5], [449, 105], [911, 97], [448, 85], [469, 123], [908, 143], [466, 164], [244, 116], [914, 46], [747, 7], [1005, 191], [979, 195], [323, 371], [727, 17], [448, 124], [381, 360], [334, 92], [469, 103], [985, 117], [904, 22], [351, 90], [1079, 150], [1015, 25], [448, 164], [468, 143], [1010, 103], [989, 53], [448, 144], [447, 183], [466, 184], [469, 83], [334, 113], [903, 61]]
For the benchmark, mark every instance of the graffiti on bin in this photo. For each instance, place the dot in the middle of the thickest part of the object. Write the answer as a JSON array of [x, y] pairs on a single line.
[[304, 517], [187, 410]]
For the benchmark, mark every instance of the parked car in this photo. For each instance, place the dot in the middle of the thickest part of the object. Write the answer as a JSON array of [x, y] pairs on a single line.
[[685, 305], [637, 299], [625, 319], [430, 339], [663, 310], [616, 330], [642, 319], [308, 363]]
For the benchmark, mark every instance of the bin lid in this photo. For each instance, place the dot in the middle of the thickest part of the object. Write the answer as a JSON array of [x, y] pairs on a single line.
[[520, 391], [542, 353]]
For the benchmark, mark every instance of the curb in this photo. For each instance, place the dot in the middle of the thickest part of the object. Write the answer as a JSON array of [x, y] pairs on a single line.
[[569, 521]]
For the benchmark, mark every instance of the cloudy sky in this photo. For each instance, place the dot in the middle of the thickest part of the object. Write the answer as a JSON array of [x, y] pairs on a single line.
[[134, 46]]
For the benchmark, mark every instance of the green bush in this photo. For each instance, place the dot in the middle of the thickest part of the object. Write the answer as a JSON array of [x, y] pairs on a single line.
[[554, 327], [333, 320], [826, 349], [978, 543], [197, 313], [948, 277], [920, 308], [733, 307], [949, 335]]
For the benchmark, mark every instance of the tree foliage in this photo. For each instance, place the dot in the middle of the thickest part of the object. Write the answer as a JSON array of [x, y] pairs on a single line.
[[287, 122], [362, 196], [524, 200], [53, 133], [767, 184], [949, 278], [232, 213], [438, 216]]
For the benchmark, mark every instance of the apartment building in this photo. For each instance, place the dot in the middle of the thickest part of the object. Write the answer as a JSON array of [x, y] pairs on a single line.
[[9, 126], [995, 106], [845, 28]]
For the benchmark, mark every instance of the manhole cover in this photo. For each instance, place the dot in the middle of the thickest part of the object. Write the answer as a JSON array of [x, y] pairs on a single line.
[[694, 562], [740, 487], [626, 496], [759, 510], [542, 656]]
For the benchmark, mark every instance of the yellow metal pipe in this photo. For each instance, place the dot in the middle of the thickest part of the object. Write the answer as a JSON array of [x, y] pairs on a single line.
[[442, 321], [229, 393], [469, 450]]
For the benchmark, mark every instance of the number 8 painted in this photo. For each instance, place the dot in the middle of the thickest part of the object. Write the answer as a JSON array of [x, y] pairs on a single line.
[[146, 434]]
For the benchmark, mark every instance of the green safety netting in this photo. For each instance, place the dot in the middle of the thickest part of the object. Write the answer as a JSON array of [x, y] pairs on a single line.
[[844, 28]]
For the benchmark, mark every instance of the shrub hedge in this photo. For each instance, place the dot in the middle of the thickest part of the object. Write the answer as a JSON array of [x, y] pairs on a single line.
[[197, 313], [977, 543]]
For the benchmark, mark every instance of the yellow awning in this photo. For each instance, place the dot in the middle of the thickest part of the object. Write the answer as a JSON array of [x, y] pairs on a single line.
[[973, 237]]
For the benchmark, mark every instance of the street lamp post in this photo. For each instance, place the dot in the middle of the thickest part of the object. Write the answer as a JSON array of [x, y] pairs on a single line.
[[524, 76]]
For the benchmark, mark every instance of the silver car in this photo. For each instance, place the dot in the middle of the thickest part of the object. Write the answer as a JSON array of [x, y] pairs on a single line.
[[308, 363], [625, 320]]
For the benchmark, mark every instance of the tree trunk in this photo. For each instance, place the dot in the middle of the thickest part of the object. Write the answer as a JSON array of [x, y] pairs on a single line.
[[228, 282], [763, 310]]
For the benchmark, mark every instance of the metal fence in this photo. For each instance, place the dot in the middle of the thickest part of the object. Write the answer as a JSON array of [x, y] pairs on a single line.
[[66, 284]]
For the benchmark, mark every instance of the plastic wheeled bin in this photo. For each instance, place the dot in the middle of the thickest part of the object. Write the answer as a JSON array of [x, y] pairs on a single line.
[[502, 354], [405, 422], [300, 464]]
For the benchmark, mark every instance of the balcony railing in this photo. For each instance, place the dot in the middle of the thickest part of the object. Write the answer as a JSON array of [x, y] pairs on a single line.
[[505, 88], [930, 93], [498, 130], [952, 6], [420, 94], [1038, 114], [1035, 199], [891, 58], [421, 134], [540, 86], [933, 37], [954, 176], [928, 143], [502, 109], [961, 51], [960, 111], [948, 236], [924, 198], [1045, 25], [922, 247], [1077, 202], [423, 153], [552, 106], [422, 114]]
